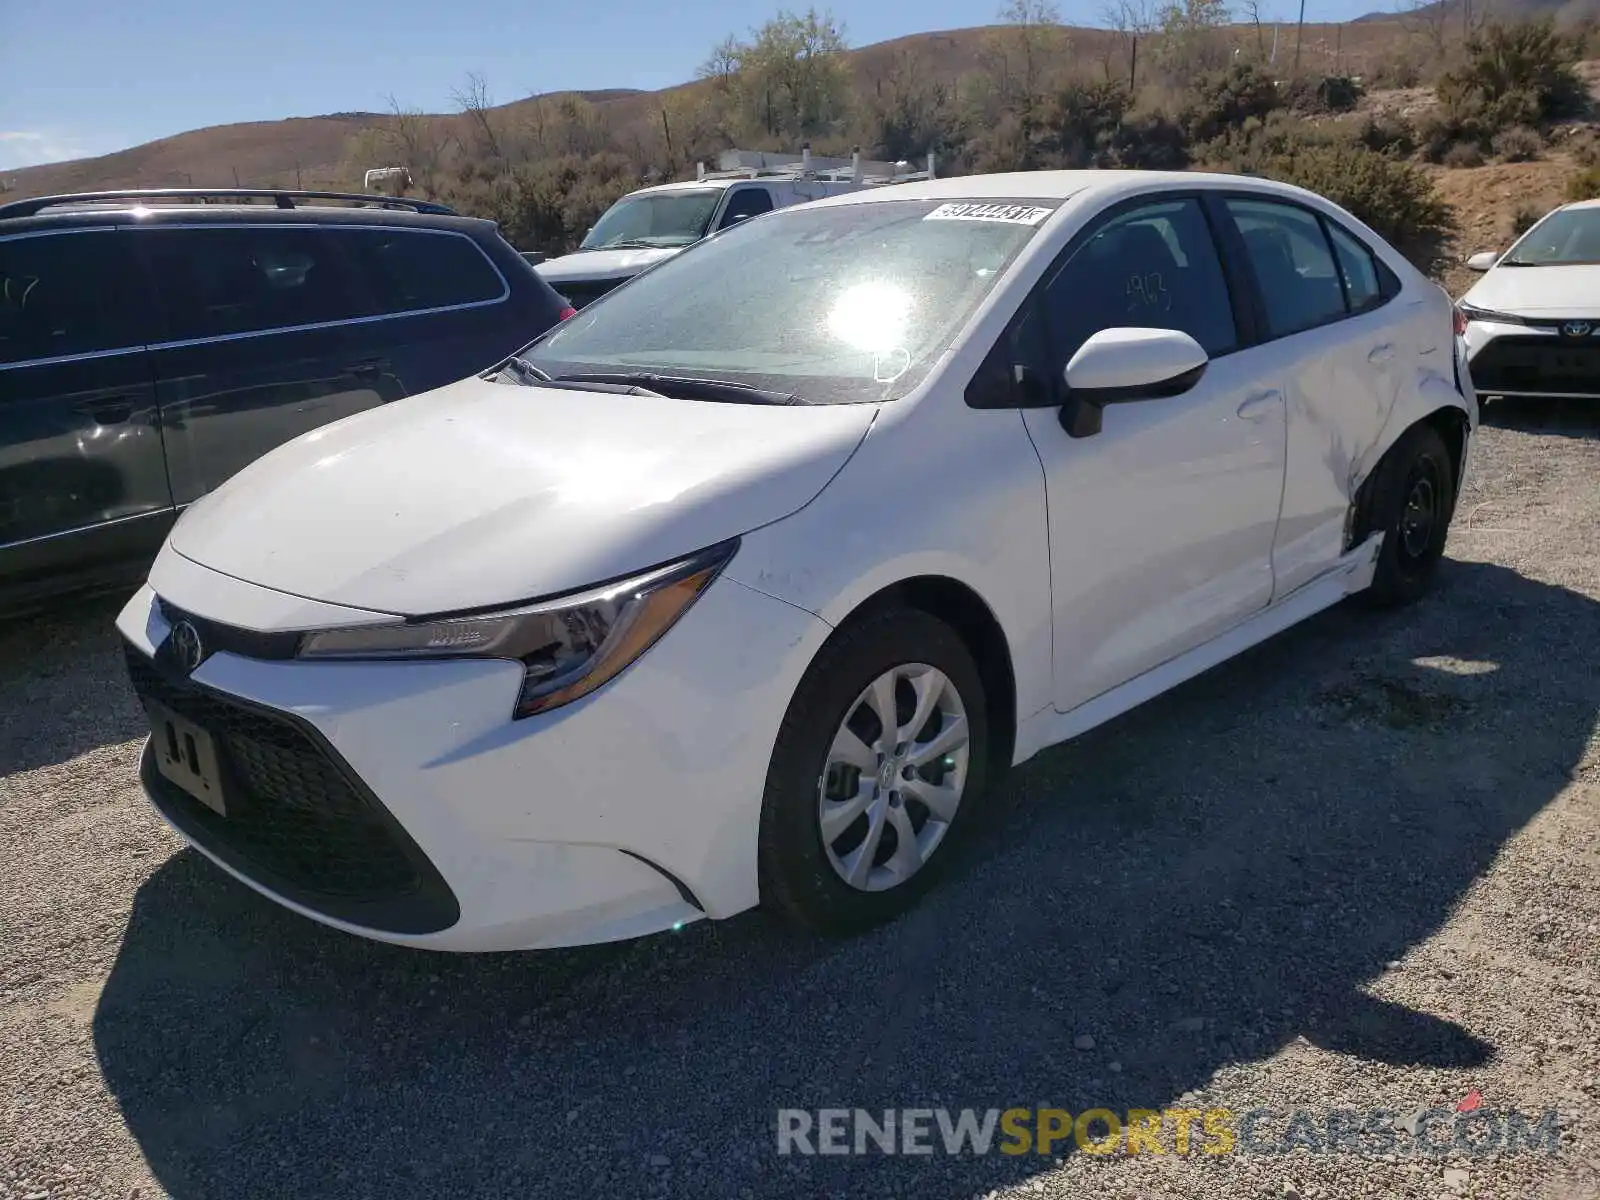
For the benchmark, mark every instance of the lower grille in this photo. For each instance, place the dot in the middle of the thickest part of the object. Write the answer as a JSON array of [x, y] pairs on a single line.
[[299, 821], [1541, 365]]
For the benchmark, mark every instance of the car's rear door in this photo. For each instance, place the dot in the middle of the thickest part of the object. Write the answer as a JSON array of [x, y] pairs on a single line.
[[256, 347], [442, 308], [1325, 321], [83, 486]]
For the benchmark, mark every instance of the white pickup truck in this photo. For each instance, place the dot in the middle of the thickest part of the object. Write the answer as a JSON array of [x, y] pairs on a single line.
[[654, 223]]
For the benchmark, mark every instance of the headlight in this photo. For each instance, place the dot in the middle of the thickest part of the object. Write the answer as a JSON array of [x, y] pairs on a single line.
[[1487, 314], [568, 647]]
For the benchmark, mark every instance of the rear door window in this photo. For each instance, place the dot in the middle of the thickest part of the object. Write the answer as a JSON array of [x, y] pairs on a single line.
[[233, 279], [416, 270], [1293, 264], [1362, 283], [67, 294]]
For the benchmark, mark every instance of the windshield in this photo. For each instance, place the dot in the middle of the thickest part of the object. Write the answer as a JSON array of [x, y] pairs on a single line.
[[1566, 238], [654, 219], [834, 304]]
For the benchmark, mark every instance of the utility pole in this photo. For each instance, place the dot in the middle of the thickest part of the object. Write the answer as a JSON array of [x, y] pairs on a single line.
[[1299, 28]]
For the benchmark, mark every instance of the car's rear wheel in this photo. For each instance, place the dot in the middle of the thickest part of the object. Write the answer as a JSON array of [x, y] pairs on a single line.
[[876, 773], [1412, 501]]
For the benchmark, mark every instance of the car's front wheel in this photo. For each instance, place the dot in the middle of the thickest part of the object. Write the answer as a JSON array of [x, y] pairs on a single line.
[[877, 769]]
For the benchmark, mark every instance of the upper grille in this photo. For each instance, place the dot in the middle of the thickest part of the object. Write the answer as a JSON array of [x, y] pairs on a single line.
[[298, 820], [583, 292], [232, 639]]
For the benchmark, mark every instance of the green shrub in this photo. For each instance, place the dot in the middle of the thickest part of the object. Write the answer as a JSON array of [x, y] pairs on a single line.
[[1584, 184], [1520, 143], [1514, 75], [1150, 141], [1327, 94], [1523, 220], [1387, 133], [1395, 198], [1224, 99], [1463, 154]]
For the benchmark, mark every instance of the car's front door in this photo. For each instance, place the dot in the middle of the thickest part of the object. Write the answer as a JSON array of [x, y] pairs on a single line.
[[258, 346], [83, 488], [1162, 522]]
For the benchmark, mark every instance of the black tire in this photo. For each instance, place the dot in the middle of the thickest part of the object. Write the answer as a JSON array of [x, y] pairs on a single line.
[[797, 878], [1411, 501]]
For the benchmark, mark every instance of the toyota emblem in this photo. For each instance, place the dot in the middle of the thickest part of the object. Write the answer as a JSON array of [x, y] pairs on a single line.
[[1577, 329], [186, 646]]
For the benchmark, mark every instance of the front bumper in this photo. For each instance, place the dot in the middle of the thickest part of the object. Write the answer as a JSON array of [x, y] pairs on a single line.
[[412, 809], [1532, 360]]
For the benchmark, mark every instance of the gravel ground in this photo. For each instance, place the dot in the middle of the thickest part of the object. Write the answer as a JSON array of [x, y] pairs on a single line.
[[1355, 868]]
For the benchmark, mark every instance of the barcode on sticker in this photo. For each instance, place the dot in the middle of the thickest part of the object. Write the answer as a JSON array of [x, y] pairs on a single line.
[[1013, 214]]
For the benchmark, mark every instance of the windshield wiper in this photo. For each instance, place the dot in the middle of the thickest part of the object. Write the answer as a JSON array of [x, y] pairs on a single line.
[[521, 371], [629, 244], [681, 387]]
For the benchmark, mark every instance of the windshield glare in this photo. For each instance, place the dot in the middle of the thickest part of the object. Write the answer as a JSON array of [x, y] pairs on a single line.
[[837, 304], [655, 219], [1566, 238]]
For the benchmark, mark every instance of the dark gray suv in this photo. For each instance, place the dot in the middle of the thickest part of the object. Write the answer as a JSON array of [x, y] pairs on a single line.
[[153, 343]]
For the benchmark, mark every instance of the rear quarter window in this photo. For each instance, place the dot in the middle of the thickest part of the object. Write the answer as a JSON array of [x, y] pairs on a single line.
[[414, 270]]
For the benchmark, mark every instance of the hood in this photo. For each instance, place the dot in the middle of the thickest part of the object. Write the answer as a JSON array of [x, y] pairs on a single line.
[[1554, 291], [600, 264], [482, 494]]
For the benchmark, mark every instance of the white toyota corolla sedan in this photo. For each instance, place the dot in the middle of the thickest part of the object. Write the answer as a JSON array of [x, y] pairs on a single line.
[[741, 586], [1532, 323]]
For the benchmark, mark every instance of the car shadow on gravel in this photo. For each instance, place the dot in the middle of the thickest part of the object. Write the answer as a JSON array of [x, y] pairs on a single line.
[[1559, 416], [1196, 884], [63, 687]]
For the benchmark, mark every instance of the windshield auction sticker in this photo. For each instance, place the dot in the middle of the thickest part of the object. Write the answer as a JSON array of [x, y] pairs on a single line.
[[1010, 214]]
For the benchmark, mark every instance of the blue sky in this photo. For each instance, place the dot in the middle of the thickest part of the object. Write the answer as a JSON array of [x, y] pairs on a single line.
[[94, 76]]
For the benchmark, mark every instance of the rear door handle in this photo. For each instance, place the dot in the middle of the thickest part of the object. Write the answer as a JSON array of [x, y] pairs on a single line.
[[1259, 405], [1381, 354], [368, 367], [108, 410]]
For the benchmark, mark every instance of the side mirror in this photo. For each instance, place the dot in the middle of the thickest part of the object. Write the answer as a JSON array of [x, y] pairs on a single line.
[[1116, 366], [1483, 260]]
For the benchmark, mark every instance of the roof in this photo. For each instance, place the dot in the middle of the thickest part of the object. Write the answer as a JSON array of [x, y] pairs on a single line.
[[191, 199], [132, 213], [1053, 185]]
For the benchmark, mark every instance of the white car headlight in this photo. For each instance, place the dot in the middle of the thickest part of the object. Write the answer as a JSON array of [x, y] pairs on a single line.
[[568, 646], [1473, 313]]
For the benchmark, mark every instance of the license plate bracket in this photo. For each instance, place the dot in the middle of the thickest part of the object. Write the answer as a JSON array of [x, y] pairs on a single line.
[[186, 755]]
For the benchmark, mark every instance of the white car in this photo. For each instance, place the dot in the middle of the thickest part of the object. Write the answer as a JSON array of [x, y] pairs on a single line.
[[740, 586], [1531, 325]]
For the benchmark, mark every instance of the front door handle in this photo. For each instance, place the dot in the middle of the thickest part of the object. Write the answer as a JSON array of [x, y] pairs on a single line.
[[1381, 354], [108, 410], [1259, 405]]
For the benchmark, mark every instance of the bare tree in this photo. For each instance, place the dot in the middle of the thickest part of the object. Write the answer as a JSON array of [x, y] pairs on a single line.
[[419, 140], [1129, 20], [475, 103]]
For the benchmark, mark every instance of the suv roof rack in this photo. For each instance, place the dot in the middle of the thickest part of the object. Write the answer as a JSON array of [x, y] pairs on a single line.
[[758, 164], [281, 197]]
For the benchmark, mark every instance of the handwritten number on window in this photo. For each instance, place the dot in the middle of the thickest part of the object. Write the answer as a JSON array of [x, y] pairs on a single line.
[[1148, 291]]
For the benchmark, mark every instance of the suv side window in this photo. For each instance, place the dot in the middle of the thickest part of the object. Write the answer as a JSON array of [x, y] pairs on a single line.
[[413, 270], [1293, 264], [1152, 267], [231, 279], [745, 202], [63, 294]]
